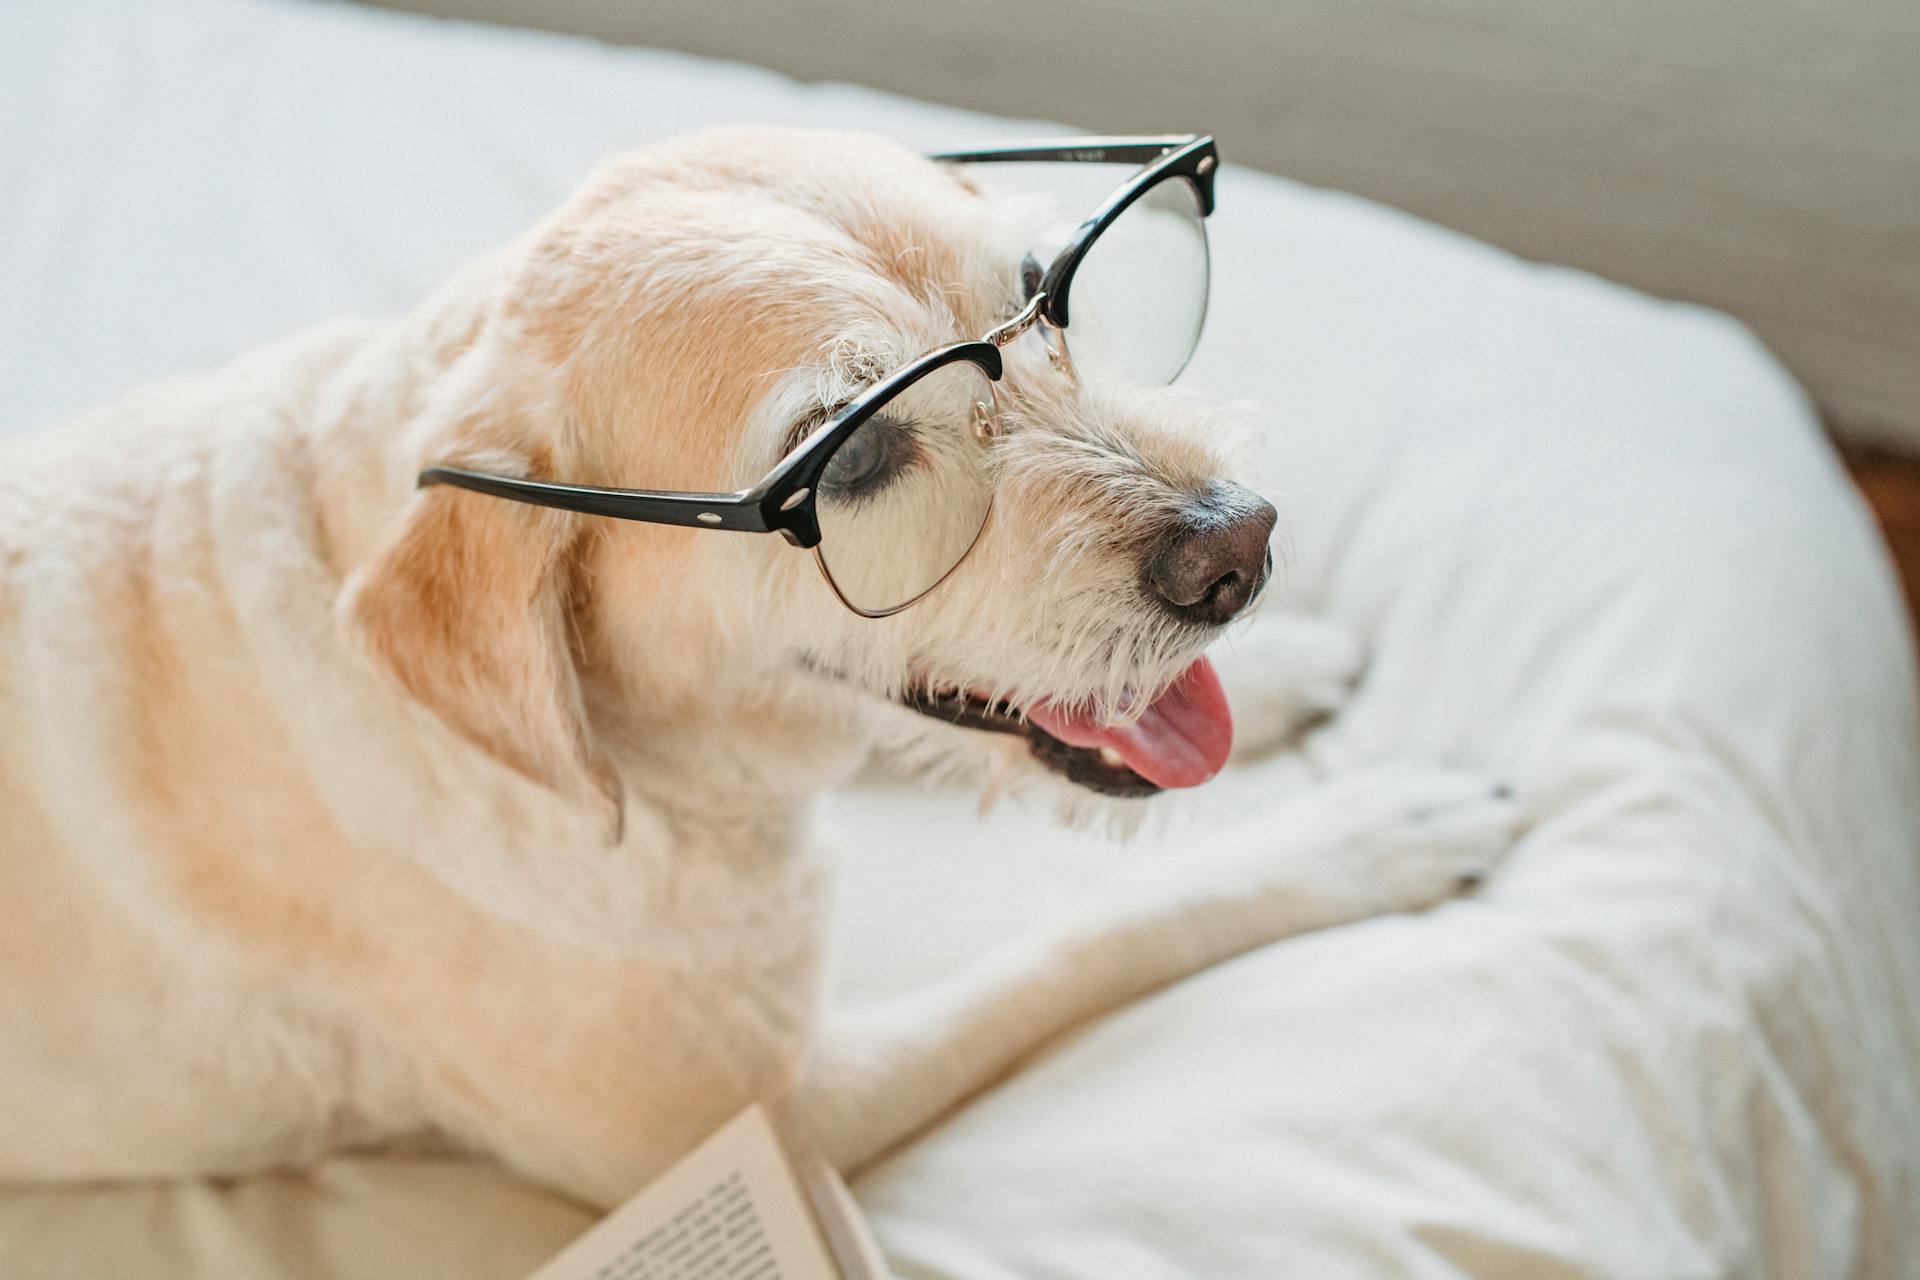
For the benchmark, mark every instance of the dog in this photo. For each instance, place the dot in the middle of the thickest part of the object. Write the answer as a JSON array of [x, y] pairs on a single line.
[[337, 811]]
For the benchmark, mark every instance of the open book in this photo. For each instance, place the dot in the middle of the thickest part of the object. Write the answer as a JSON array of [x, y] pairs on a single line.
[[741, 1206]]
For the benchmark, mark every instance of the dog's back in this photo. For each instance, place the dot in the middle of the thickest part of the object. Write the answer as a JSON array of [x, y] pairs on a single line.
[[148, 552]]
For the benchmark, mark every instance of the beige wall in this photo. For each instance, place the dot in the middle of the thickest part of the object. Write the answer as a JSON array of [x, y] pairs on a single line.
[[1762, 156]]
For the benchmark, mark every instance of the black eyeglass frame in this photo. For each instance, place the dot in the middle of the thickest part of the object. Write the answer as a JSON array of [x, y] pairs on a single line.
[[784, 501], [1190, 156]]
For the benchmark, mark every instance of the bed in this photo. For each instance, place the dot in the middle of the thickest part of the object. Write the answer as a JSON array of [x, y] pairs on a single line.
[[1593, 541]]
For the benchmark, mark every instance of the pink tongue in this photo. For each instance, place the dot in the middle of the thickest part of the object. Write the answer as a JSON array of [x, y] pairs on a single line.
[[1181, 740]]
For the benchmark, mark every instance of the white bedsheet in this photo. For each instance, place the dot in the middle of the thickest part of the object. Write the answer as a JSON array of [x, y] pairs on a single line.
[[1594, 541]]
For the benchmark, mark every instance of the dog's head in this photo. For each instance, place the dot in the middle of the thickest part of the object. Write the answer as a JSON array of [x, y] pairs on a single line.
[[678, 325]]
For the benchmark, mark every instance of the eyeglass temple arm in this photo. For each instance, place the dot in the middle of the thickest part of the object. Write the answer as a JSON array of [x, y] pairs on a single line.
[[736, 511], [1081, 150]]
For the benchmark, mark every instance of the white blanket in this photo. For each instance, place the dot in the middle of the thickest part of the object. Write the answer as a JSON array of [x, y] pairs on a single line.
[[1594, 542]]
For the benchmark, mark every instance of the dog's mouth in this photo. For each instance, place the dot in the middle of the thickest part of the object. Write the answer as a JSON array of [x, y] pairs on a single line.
[[1181, 739]]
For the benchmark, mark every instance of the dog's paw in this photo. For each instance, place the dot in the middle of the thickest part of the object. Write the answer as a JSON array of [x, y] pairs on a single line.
[[1378, 842], [1285, 673], [1417, 836]]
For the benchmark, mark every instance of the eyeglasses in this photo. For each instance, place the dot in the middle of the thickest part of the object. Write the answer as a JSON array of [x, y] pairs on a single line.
[[894, 489]]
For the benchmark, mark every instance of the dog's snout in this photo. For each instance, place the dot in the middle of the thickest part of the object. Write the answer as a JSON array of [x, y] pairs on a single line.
[[1216, 559]]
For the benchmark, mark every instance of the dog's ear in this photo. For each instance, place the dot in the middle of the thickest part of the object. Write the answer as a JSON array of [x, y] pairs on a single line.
[[468, 607]]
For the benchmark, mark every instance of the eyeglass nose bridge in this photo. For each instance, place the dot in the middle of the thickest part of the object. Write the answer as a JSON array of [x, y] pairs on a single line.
[[1028, 317]]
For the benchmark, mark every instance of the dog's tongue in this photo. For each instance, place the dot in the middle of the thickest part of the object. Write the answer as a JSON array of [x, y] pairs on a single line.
[[1180, 741]]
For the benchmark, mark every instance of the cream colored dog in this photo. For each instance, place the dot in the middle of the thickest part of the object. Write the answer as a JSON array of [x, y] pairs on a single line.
[[334, 811]]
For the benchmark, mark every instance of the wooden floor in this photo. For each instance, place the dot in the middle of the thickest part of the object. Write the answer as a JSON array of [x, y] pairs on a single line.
[[1892, 485]]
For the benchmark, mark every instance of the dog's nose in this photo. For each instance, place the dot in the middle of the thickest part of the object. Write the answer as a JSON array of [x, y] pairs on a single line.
[[1216, 560]]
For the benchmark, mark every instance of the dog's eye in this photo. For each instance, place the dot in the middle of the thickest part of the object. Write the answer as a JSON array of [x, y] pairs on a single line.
[[1031, 274], [868, 459]]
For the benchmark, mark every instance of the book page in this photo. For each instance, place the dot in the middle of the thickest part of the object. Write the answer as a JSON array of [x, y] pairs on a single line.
[[848, 1237], [731, 1210]]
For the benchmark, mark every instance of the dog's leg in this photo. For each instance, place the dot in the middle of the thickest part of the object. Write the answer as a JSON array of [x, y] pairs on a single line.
[[1394, 839], [1285, 672]]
